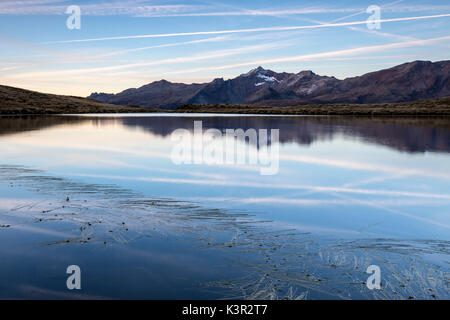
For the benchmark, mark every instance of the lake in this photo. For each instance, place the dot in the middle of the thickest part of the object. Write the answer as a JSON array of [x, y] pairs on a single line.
[[104, 192]]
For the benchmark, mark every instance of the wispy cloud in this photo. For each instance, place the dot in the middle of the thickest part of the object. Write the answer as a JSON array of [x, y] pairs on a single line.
[[250, 12], [114, 53], [3, 69], [299, 11], [145, 8], [205, 56], [129, 8], [329, 54], [319, 26], [5, 4], [416, 8]]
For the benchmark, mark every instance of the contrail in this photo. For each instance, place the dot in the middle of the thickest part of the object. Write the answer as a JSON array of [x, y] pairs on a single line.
[[328, 25], [163, 46], [337, 53]]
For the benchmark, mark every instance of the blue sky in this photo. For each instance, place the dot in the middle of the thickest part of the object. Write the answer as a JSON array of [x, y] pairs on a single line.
[[124, 44]]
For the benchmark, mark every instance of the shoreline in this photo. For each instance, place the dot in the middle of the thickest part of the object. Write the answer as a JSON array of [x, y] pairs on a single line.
[[434, 107], [21, 102]]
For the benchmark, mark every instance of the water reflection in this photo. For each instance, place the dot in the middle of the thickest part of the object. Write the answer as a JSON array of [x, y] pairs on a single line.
[[413, 135], [17, 124], [268, 262], [102, 192]]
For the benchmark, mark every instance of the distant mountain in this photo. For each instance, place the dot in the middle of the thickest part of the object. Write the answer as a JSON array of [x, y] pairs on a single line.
[[21, 101], [159, 94], [407, 82]]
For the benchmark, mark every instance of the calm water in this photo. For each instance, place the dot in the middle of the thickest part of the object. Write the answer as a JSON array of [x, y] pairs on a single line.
[[103, 193]]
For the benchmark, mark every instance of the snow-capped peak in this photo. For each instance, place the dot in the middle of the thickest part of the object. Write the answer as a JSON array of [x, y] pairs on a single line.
[[267, 78]]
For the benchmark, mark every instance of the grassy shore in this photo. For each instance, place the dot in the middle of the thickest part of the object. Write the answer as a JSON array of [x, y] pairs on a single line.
[[15, 101], [434, 107]]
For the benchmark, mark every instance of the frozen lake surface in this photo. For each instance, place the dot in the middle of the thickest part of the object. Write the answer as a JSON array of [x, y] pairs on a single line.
[[102, 192]]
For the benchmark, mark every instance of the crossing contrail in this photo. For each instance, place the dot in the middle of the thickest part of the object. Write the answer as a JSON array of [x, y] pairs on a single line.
[[182, 34]]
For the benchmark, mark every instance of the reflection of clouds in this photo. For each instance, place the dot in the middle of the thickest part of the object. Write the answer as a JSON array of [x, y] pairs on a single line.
[[75, 159], [344, 201], [213, 176], [43, 231], [88, 139], [171, 259], [145, 139], [374, 180], [361, 166], [108, 209], [320, 202], [34, 292], [11, 203], [393, 193], [14, 205], [377, 205], [321, 229], [87, 144], [410, 135], [138, 149]]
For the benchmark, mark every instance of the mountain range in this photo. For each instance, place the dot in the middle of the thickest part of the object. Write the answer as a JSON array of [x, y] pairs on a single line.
[[403, 83]]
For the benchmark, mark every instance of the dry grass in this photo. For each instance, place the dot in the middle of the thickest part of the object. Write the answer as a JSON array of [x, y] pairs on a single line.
[[14, 101], [417, 108]]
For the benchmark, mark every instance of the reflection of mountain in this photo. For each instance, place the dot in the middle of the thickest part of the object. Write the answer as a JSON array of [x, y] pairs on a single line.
[[9, 125], [404, 134]]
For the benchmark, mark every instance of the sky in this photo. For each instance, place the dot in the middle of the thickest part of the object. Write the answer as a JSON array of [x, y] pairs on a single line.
[[126, 44]]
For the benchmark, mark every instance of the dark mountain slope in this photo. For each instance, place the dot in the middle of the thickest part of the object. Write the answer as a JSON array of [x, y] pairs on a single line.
[[407, 82], [162, 94]]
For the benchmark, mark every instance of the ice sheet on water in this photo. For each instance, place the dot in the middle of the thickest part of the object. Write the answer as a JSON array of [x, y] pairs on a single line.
[[275, 263]]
